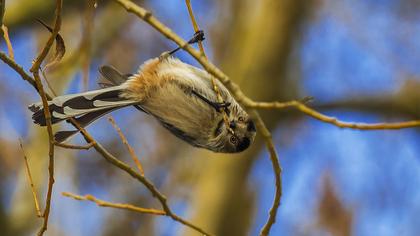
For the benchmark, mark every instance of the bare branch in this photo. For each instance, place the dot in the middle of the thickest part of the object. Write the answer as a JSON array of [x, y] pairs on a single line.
[[77, 147], [332, 120], [35, 71], [195, 25], [277, 172], [31, 182], [132, 208], [8, 43], [114, 205], [125, 141]]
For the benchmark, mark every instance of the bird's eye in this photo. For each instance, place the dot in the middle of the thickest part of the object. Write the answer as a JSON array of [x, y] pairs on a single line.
[[241, 119], [233, 139]]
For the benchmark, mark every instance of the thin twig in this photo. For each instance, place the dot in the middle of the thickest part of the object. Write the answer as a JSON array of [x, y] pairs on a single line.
[[77, 147], [277, 172], [8, 43], [124, 206], [195, 25], [125, 141], [31, 182], [332, 120], [50, 153], [128, 207], [35, 71], [47, 81]]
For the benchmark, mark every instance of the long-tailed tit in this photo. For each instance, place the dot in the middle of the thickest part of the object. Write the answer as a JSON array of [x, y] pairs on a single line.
[[178, 95]]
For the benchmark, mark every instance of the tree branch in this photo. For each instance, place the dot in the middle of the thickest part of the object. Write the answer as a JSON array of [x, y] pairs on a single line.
[[47, 114], [125, 142], [114, 205], [31, 182], [77, 147], [132, 208], [6, 37], [332, 120]]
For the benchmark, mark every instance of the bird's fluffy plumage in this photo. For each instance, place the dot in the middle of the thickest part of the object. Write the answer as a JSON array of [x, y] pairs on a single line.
[[162, 87]]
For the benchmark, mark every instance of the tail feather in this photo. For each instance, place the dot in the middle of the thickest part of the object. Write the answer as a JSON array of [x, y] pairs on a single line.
[[86, 107], [62, 136], [73, 105], [83, 121], [113, 75]]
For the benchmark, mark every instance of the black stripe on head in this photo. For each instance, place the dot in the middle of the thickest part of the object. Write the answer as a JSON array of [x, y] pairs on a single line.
[[219, 128], [243, 144]]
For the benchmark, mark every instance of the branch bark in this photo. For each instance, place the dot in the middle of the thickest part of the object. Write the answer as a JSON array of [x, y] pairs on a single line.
[[35, 70]]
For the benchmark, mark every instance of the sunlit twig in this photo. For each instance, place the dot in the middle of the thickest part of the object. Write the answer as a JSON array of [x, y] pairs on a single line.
[[8, 43], [124, 206], [31, 182], [332, 120], [35, 71], [125, 141], [77, 147]]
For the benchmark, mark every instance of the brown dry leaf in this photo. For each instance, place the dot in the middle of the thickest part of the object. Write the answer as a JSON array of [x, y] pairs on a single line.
[[60, 47]]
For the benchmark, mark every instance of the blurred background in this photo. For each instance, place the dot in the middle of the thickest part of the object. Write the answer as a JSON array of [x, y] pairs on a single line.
[[359, 59]]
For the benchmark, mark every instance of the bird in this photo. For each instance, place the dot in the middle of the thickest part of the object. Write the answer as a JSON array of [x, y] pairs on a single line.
[[180, 96]]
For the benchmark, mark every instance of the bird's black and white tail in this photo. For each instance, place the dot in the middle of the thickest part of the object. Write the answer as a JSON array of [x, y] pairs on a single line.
[[74, 105], [83, 107]]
